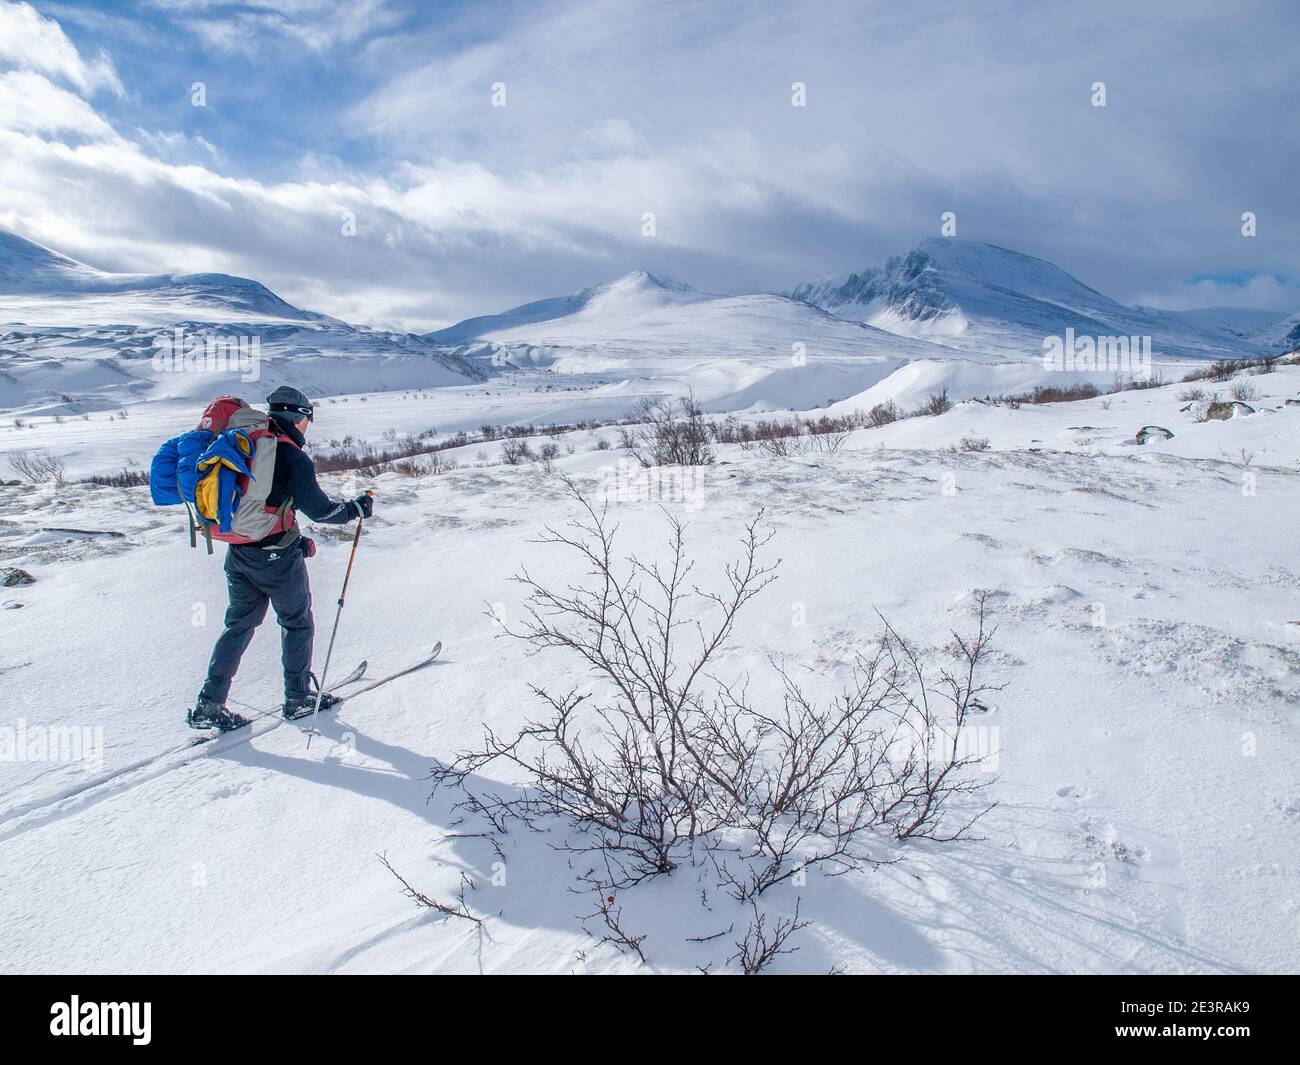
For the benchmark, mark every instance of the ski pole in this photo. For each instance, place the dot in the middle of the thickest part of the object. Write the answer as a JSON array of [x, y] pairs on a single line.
[[324, 673]]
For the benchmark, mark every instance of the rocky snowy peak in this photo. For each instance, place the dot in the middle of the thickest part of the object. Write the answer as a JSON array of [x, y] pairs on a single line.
[[969, 295], [642, 281], [944, 283]]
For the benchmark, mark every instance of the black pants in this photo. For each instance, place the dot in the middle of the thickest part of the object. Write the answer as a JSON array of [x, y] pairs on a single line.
[[255, 577]]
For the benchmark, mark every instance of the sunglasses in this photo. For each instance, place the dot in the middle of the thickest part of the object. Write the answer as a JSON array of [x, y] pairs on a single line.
[[307, 412]]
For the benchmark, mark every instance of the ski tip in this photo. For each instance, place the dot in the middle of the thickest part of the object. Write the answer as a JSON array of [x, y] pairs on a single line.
[[437, 650]]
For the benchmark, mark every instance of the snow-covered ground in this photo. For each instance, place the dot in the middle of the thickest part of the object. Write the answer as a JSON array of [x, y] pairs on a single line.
[[1148, 813]]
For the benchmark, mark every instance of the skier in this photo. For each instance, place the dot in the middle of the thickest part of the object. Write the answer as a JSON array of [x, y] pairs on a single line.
[[274, 570]]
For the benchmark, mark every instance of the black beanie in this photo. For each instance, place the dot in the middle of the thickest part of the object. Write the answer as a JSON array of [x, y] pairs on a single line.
[[288, 400]]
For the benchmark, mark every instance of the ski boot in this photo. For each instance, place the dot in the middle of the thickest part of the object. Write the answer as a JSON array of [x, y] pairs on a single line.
[[207, 714], [303, 705]]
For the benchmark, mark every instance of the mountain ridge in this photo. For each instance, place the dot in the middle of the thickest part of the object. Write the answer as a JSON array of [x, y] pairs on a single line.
[[966, 298], [75, 338], [29, 268], [971, 295]]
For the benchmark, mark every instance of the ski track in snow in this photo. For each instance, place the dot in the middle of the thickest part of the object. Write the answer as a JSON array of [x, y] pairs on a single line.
[[1145, 606]]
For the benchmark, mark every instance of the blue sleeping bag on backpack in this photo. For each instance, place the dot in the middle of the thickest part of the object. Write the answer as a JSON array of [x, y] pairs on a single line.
[[162, 475], [174, 470]]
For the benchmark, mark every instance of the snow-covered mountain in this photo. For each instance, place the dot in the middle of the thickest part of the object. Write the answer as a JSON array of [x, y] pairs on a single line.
[[31, 273], [1242, 322], [74, 338], [1279, 336], [732, 351], [636, 286], [976, 313], [979, 297]]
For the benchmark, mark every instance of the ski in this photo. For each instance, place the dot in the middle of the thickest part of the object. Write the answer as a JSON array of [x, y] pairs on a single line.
[[427, 660], [29, 815], [246, 731], [23, 817]]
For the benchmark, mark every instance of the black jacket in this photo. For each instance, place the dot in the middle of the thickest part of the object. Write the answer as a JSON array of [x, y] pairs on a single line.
[[295, 478]]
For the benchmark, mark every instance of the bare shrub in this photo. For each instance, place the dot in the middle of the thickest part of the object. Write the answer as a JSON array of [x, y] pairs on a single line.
[[348, 454], [461, 909], [37, 467], [974, 443], [787, 436], [825, 435], [788, 445], [777, 439], [516, 452], [1048, 394], [1153, 380], [662, 758], [935, 403], [1191, 395], [883, 414], [1245, 392], [763, 944], [612, 918], [121, 479], [439, 463], [409, 468], [671, 433], [1219, 370]]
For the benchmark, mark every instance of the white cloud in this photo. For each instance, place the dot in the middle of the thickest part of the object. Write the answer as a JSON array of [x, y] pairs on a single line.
[[30, 102], [32, 42], [320, 25], [1260, 290]]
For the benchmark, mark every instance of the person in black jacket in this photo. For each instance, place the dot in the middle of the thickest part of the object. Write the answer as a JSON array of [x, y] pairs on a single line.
[[274, 570]]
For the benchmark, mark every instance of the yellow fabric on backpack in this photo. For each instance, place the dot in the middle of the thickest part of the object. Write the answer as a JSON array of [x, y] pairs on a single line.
[[207, 486]]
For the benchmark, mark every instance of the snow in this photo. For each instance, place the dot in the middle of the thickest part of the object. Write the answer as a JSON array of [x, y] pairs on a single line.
[[1145, 738]]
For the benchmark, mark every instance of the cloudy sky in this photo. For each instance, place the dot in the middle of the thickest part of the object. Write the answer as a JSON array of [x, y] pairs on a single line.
[[316, 111]]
